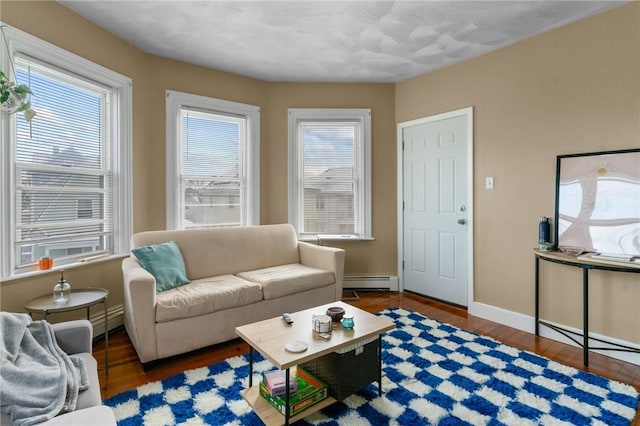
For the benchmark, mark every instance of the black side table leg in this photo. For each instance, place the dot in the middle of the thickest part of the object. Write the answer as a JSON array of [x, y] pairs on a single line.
[[585, 315], [287, 395], [379, 366], [250, 365], [537, 274]]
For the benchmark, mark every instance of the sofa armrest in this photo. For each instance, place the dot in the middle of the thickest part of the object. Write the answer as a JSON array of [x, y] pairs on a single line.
[[74, 337], [100, 415], [140, 308], [322, 257]]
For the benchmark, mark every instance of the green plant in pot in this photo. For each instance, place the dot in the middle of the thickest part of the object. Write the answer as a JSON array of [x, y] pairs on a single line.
[[15, 98]]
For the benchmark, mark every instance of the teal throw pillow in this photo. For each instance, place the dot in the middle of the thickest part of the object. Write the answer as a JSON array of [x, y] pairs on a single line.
[[164, 261]]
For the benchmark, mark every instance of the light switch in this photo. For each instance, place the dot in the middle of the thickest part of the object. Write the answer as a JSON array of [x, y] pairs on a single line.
[[488, 182]]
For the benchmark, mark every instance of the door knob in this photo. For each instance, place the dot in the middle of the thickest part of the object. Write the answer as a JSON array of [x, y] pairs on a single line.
[[461, 221]]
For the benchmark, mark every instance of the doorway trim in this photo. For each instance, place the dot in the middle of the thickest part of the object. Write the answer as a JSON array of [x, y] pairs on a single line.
[[468, 114]]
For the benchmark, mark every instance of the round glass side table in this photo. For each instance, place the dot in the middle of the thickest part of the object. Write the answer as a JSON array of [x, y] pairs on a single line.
[[79, 298]]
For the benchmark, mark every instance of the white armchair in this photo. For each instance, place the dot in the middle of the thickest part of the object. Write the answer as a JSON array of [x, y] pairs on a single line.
[[75, 337]]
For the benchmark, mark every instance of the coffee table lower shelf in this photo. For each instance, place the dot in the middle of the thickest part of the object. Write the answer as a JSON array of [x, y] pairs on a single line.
[[269, 415]]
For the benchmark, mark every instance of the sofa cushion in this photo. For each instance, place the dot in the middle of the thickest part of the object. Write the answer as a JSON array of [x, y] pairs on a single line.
[[163, 261], [278, 281], [205, 296]]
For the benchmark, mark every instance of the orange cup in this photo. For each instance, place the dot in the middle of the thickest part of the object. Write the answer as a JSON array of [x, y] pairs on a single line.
[[45, 263]]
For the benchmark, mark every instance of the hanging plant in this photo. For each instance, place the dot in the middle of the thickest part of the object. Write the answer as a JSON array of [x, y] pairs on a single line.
[[15, 98]]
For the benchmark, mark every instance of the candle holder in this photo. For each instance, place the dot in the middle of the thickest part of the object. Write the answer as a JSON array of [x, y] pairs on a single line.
[[347, 321], [45, 263]]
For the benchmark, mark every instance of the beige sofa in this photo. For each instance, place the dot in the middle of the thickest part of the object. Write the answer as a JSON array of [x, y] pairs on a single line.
[[238, 276]]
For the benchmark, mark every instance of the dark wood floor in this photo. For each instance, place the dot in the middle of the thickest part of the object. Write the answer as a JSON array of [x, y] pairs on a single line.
[[126, 372]]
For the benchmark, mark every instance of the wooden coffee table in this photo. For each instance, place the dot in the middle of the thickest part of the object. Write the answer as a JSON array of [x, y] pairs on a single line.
[[270, 336]]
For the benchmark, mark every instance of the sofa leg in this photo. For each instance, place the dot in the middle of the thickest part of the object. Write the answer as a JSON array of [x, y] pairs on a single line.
[[147, 366], [354, 297]]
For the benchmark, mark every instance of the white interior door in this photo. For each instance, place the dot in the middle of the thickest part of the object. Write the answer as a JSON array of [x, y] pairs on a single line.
[[436, 214]]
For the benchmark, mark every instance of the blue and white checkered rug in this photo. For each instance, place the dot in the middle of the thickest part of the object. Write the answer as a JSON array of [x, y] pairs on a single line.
[[435, 374]]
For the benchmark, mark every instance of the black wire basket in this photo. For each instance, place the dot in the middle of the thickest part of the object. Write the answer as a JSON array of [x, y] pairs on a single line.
[[346, 372]]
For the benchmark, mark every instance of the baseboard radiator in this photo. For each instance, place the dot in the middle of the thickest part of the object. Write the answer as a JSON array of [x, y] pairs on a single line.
[[116, 319], [363, 282]]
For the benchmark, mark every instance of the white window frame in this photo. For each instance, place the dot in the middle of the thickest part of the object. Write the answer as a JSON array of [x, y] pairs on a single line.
[[362, 158], [21, 43], [175, 102]]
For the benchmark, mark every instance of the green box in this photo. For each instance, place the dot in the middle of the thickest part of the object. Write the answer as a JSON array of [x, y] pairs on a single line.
[[310, 391]]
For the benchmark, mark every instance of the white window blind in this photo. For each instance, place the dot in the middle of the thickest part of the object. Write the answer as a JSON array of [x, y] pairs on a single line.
[[213, 162], [329, 172], [330, 178], [213, 183], [63, 168]]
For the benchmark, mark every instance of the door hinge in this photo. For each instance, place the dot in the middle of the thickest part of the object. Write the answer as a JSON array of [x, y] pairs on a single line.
[[403, 205], [403, 265]]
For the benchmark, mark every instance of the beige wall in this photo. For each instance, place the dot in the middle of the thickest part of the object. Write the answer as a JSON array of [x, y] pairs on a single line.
[[58, 25], [172, 75], [370, 257], [574, 89], [153, 75], [571, 90]]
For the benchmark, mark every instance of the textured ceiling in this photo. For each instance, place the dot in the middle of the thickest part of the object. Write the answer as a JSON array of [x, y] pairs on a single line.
[[338, 41]]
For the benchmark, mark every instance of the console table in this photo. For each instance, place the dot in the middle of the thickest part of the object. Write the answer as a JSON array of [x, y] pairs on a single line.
[[585, 265]]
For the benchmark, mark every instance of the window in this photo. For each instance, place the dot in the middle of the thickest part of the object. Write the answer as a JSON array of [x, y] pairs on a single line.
[[66, 176], [329, 172], [212, 162]]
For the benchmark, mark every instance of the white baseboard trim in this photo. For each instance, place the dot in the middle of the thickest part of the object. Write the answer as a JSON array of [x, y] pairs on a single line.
[[116, 319], [527, 323]]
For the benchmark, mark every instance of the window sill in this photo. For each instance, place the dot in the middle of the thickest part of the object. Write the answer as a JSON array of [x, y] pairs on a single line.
[[332, 237], [32, 273]]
